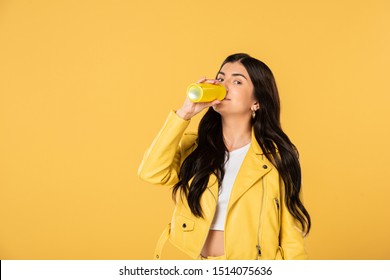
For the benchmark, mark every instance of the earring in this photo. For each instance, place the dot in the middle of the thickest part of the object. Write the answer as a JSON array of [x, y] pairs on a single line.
[[253, 114]]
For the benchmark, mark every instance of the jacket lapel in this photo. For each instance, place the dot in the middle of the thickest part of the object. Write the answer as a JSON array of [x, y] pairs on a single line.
[[253, 168]]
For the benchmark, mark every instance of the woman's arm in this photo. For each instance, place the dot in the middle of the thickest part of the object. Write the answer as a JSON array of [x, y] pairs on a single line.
[[161, 162]]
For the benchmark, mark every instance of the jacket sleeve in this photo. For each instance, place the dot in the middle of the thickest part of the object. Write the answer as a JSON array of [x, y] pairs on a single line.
[[291, 236], [161, 162]]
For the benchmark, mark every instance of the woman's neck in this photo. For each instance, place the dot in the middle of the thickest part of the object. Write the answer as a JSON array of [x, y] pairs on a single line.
[[236, 133]]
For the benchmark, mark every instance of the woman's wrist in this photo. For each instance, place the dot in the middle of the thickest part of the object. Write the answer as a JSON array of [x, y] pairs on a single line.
[[184, 115]]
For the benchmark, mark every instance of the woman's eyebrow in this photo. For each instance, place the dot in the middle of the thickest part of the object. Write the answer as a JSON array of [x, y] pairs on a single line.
[[234, 74], [238, 74]]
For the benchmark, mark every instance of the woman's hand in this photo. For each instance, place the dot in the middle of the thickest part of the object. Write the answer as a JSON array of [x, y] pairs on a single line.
[[190, 109]]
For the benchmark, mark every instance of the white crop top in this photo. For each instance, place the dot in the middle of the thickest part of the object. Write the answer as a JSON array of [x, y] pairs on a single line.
[[232, 166]]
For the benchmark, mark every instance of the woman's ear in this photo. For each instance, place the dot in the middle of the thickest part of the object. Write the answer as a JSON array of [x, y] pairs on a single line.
[[255, 106]]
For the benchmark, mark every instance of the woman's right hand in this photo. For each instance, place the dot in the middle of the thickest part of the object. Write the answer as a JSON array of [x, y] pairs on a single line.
[[190, 109]]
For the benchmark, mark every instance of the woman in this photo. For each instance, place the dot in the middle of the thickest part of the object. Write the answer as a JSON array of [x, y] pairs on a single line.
[[236, 183]]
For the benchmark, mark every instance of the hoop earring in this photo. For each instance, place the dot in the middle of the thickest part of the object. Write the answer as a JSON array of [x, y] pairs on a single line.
[[253, 114]]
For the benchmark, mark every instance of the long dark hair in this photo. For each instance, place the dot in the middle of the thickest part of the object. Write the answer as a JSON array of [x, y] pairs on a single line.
[[209, 156]]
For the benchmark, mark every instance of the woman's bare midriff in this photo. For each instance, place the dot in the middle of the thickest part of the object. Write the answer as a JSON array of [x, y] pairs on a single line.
[[214, 245]]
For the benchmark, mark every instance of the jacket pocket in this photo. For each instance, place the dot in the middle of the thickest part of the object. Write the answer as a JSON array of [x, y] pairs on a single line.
[[185, 223]]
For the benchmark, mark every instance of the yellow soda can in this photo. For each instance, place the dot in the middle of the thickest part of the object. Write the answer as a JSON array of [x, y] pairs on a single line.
[[204, 92]]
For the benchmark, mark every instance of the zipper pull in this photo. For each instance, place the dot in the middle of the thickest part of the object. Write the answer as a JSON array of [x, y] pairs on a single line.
[[258, 250], [277, 203]]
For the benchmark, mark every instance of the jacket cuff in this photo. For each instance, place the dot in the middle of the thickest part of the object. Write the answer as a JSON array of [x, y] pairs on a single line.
[[175, 122]]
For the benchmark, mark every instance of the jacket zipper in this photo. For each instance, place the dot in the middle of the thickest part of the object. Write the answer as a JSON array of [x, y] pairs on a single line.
[[277, 203], [277, 210], [261, 212]]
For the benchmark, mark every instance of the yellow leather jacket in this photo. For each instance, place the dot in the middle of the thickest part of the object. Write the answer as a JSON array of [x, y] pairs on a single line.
[[258, 224]]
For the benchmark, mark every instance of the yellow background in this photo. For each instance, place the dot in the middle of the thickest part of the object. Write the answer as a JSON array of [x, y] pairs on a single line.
[[85, 86]]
